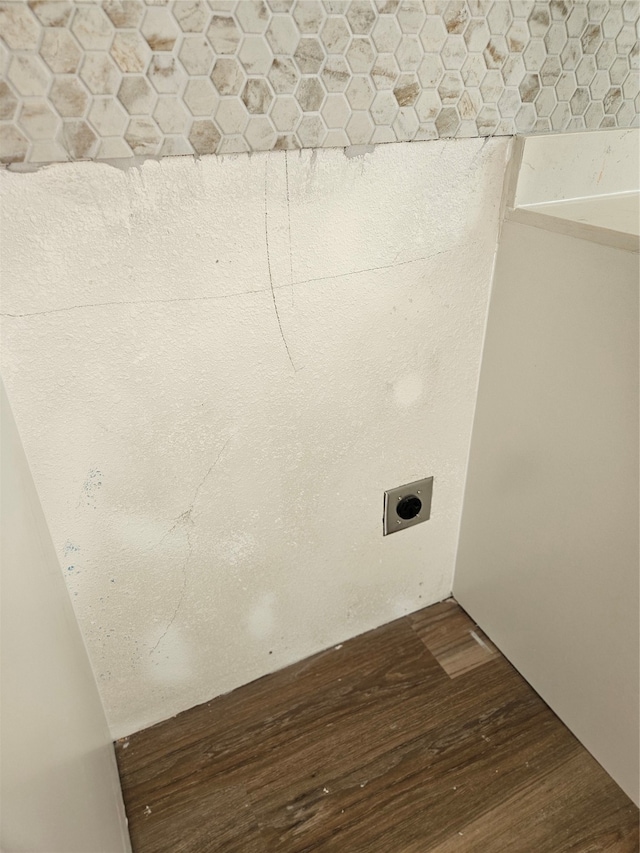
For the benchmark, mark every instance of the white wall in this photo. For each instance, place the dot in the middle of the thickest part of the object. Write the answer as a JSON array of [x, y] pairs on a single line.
[[548, 558], [565, 166], [217, 368], [59, 783]]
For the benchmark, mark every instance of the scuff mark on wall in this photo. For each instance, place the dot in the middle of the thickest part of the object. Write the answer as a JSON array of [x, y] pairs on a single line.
[[90, 489], [72, 571], [69, 548]]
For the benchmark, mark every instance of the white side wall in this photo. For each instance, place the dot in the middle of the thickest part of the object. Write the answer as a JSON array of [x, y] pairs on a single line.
[[548, 557], [217, 367], [59, 782]]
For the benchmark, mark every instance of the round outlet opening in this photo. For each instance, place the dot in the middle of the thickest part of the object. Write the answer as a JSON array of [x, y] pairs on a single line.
[[409, 507]]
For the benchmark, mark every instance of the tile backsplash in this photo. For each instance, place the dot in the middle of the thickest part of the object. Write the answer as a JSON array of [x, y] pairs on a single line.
[[119, 78]]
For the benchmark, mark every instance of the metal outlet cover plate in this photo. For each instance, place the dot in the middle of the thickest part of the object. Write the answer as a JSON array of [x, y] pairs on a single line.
[[421, 489]]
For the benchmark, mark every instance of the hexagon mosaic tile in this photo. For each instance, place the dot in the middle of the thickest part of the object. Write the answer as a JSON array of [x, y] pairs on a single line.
[[120, 78]]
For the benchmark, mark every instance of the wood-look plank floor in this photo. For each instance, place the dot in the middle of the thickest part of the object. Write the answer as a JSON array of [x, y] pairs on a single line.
[[417, 737]]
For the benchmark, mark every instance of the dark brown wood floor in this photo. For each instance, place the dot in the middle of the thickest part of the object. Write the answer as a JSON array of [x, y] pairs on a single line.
[[417, 737]]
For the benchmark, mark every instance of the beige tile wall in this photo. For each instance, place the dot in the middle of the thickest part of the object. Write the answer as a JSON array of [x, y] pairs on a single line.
[[119, 78]]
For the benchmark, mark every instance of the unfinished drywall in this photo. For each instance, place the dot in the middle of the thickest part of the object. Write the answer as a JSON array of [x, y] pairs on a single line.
[[217, 367]]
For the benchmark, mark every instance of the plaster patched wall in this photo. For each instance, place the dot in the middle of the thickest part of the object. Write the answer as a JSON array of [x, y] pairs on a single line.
[[217, 367]]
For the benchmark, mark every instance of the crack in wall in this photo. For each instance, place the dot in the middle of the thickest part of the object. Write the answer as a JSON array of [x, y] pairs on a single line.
[[286, 178], [187, 517], [134, 302], [271, 290], [185, 520], [480, 150], [374, 269], [273, 293]]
